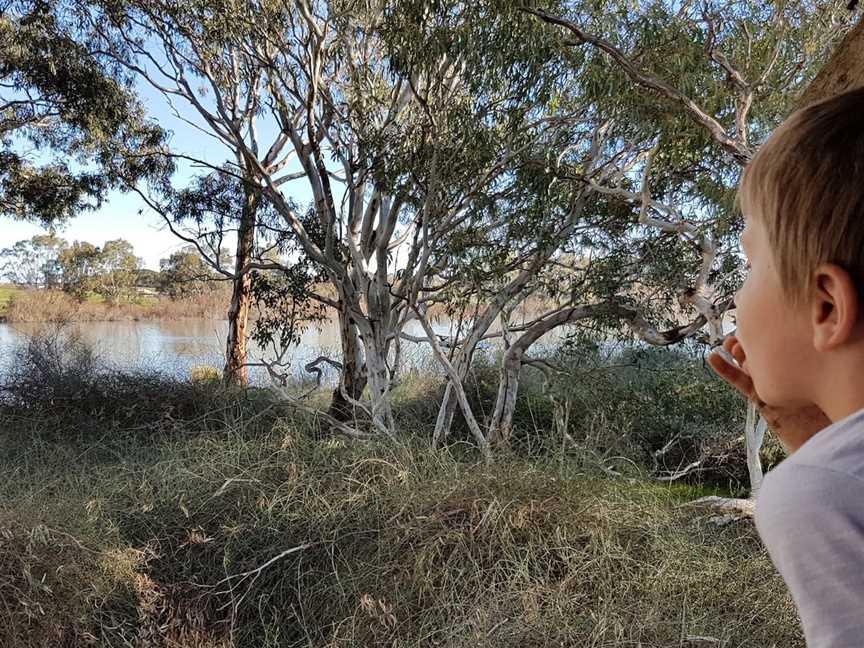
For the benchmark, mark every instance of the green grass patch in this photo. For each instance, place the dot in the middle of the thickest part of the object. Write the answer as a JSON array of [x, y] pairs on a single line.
[[7, 293]]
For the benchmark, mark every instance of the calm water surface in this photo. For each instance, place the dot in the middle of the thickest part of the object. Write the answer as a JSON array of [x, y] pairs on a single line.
[[175, 347]]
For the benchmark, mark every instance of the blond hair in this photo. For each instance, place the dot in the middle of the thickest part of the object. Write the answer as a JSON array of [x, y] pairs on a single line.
[[806, 186]]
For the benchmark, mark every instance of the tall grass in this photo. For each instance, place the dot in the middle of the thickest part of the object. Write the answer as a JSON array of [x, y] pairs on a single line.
[[638, 411], [140, 511]]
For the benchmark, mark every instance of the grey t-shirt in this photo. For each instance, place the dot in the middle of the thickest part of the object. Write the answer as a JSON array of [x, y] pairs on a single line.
[[810, 514]]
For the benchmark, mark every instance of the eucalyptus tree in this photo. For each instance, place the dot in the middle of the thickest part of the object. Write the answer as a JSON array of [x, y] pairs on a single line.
[[118, 272], [110, 271], [704, 83], [587, 259], [33, 263], [184, 273], [551, 208], [71, 125], [689, 90], [394, 148], [206, 214], [193, 54]]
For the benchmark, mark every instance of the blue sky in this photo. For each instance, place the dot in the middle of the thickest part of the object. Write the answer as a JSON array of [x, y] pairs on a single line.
[[119, 215]]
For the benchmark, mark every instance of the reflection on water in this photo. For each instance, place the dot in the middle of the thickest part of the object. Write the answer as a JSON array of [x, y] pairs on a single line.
[[174, 347]]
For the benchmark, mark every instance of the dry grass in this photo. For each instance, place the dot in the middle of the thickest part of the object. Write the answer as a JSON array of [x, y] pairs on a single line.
[[131, 511], [57, 306], [402, 549]]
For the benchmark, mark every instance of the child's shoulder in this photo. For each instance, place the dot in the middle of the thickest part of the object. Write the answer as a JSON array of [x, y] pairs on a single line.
[[839, 448], [810, 515], [824, 476]]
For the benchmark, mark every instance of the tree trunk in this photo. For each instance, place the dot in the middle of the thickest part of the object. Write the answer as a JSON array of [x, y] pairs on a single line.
[[501, 424], [507, 298], [511, 366], [379, 388], [843, 71], [236, 372], [754, 434], [352, 381], [447, 409], [457, 389], [446, 412]]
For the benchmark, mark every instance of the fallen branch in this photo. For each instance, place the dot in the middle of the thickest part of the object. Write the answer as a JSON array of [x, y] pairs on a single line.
[[683, 472], [737, 508]]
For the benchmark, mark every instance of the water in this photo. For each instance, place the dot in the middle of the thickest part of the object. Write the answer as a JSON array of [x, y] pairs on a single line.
[[175, 347]]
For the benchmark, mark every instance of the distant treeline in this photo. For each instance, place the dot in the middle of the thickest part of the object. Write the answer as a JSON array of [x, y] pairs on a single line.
[[111, 273]]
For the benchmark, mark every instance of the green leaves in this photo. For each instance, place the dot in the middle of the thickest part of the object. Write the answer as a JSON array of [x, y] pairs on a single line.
[[34, 262], [185, 273], [70, 127], [110, 271]]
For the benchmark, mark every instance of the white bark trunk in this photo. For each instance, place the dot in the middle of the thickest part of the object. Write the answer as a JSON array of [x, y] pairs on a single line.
[[458, 390], [754, 434], [508, 388], [505, 403], [444, 421], [379, 390]]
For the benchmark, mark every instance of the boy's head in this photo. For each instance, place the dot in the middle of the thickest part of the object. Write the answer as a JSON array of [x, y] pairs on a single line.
[[802, 197]]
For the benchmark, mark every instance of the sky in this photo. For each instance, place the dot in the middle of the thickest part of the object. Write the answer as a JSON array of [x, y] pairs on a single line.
[[119, 216]]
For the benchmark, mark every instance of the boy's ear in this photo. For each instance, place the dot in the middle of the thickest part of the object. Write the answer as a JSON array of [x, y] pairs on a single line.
[[834, 307]]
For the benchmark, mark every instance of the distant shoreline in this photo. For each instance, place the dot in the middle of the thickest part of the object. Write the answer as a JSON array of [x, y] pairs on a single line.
[[19, 305]]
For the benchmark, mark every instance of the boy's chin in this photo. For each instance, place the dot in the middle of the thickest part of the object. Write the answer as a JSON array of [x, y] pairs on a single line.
[[779, 399]]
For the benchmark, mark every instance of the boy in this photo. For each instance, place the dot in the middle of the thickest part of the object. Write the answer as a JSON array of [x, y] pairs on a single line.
[[799, 355]]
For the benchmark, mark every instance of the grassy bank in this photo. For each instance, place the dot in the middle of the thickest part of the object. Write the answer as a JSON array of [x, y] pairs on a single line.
[[140, 511], [7, 292], [32, 305], [18, 305]]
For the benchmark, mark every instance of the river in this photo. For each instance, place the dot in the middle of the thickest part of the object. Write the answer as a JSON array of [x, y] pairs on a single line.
[[174, 347]]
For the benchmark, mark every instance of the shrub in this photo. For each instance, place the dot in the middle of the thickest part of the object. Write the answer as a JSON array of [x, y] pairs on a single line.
[[58, 383], [57, 306], [205, 374]]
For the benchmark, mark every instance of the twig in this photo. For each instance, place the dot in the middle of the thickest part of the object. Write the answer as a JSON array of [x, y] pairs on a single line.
[[255, 573]]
